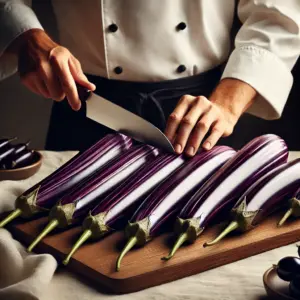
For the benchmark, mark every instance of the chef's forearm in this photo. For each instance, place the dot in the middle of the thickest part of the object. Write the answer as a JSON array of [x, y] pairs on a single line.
[[233, 95], [16, 17]]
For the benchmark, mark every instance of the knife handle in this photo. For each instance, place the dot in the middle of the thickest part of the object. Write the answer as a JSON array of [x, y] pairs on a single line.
[[83, 92]]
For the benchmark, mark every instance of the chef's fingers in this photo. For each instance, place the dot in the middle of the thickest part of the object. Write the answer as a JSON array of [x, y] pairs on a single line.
[[50, 78], [60, 62], [216, 133], [199, 107], [177, 115], [78, 75], [200, 130]]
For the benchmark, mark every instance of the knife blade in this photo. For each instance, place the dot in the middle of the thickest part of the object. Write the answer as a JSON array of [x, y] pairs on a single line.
[[121, 120]]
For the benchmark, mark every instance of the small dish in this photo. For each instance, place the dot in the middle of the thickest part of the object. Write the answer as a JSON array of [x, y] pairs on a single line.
[[24, 172], [276, 288]]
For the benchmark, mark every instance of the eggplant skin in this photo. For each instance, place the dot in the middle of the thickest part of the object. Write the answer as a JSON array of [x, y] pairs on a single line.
[[78, 169], [225, 188], [277, 187], [166, 200]]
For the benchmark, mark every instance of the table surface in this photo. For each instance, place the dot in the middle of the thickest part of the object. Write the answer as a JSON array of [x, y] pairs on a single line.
[[239, 280]]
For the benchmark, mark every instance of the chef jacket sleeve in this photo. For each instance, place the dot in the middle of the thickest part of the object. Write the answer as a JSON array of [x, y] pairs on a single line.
[[16, 17], [267, 47]]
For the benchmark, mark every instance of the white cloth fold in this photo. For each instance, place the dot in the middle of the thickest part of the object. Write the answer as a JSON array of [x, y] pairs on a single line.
[[26, 276]]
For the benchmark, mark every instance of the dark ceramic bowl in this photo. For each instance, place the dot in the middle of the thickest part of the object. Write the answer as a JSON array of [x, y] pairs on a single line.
[[276, 288], [24, 172]]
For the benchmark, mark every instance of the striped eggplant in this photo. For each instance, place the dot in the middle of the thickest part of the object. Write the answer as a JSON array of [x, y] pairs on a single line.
[[222, 190], [6, 142], [78, 202], [169, 197], [264, 197], [21, 159], [113, 210], [21, 147], [6, 152], [43, 195]]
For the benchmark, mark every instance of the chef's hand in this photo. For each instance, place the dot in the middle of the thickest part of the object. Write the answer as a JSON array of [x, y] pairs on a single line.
[[47, 68], [197, 120]]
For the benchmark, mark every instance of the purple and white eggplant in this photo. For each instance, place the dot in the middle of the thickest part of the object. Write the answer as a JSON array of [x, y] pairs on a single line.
[[264, 197], [44, 195], [79, 201], [6, 141], [222, 190], [169, 197], [115, 209]]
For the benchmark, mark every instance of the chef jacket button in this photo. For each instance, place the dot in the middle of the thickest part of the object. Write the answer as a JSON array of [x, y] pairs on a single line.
[[118, 70], [181, 68], [113, 27], [181, 26]]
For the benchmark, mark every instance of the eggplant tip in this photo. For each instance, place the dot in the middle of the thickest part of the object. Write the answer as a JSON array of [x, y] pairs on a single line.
[[285, 217], [84, 237], [51, 225], [166, 258], [13, 215], [65, 261], [231, 227], [130, 244], [181, 239]]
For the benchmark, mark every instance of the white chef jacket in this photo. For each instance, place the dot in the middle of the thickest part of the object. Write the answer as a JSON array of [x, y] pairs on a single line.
[[154, 40]]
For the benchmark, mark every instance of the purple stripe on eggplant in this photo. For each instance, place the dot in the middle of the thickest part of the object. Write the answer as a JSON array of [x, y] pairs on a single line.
[[167, 199], [152, 206], [219, 194], [75, 205], [43, 195], [263, 198], [267, 152], [115, 209]]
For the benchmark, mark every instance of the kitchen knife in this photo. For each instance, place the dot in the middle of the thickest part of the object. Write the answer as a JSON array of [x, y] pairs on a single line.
[[119, 119]]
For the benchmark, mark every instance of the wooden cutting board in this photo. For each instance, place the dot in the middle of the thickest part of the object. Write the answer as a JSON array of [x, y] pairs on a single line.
[[143, 268]]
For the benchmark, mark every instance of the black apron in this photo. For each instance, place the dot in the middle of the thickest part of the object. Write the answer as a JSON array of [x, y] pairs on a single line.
[[153, 101]]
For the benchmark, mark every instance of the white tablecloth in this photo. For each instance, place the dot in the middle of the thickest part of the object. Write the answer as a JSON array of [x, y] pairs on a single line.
[[28, 277]]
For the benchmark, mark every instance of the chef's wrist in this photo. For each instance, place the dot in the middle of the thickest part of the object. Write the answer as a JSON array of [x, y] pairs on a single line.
[[234, 96], [34, 37]]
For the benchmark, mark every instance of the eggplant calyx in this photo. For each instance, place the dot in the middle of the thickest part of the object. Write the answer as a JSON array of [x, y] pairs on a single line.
[[294, 210], [27, 204], [137, 234], [96, 224], [190, 230], [243, 217], [242, 221], [63, 214], [83, 238], [140, 230], [50, 226]]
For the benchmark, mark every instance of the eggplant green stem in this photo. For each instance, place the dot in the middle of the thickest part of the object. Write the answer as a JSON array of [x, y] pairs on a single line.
[[84, 237], [51, 225], [285, 217], [130, 244], [231, 227], [181, 239], [17, 212]]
